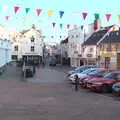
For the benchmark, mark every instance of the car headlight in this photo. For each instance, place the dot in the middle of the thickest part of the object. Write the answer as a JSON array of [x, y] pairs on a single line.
[[98, 83]]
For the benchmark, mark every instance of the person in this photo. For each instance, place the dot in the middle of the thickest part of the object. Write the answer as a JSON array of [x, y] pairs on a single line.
[[76, 82]]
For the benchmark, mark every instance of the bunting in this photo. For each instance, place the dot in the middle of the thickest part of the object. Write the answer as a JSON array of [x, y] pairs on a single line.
[[96, 16], [61, 13], [75, 26], [61, 25], [49, 13], [68, 26], [82, 27], [108, 17], [27, 10], [16, 8], [53, 24], [7, 18], [38, 11], [84, 14]]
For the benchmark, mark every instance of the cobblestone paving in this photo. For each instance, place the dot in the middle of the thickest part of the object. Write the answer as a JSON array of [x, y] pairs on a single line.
[[53, 100]]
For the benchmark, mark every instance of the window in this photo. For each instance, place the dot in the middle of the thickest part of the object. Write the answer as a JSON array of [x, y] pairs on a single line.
[[16, 48], [32, 48], [91, 49], [72, 36], [76, 36], [32, 39]]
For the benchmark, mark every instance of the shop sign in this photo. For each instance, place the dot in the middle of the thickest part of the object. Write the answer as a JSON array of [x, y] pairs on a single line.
[[32, 53], [89, 55]]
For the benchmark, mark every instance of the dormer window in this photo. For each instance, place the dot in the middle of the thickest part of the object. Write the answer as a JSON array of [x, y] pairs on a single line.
[[32, 39]]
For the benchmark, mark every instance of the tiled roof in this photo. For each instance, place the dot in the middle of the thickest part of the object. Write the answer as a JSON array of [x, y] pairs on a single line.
[[95, 37], [64, 41], [112, 37], [24, 31]]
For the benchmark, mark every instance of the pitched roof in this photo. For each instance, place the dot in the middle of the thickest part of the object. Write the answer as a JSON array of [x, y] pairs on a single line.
[[95, 37], [64, 41], [113, 37]]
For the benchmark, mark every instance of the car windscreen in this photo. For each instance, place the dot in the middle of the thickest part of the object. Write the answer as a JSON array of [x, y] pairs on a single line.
[[94, 72], [110, 75], [88, 71]]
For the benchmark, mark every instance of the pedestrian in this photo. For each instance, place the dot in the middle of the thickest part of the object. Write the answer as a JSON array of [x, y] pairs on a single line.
[[76, 82]]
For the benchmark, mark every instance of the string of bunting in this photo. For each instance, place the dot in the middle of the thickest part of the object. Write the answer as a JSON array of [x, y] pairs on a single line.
[[61, 13]]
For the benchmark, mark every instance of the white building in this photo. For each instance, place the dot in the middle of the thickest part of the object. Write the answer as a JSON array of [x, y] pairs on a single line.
[[76, 37], [5, 48], [28, 44]]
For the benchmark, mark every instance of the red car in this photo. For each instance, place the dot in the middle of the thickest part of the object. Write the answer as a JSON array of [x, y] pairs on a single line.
[[96, 74], [104, 84]]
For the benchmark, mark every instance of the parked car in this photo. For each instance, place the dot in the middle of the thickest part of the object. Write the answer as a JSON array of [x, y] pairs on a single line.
[[81, 74], [104, 84], [116, 88], [95, 74], [80, 69]]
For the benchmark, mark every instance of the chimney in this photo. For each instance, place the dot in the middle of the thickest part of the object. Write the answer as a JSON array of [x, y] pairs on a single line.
[[97, 24]]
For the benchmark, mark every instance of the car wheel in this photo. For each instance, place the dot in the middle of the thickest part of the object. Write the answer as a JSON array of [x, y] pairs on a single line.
[[117, 94], [104, 89]]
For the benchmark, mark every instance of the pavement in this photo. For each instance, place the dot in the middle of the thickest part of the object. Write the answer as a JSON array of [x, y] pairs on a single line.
[[49, 96]]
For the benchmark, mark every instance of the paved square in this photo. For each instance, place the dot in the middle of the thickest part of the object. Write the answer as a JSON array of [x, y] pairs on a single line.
[[48, 96]]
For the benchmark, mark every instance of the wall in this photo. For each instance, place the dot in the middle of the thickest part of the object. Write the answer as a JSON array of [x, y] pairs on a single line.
[[5, 52]]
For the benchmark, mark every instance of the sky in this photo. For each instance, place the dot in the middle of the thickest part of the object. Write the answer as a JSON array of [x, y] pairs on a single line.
[[72, 15]]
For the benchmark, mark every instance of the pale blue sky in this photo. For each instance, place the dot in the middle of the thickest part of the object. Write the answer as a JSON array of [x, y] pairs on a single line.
[[68, 6]]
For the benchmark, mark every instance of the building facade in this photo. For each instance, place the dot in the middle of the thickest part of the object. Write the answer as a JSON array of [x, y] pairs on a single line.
[[5, 48], [28, 45], [91, 50], [110, 51], [76, 38]]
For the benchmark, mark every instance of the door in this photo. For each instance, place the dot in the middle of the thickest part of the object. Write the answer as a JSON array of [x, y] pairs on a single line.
[[118, 61], [107, 62]]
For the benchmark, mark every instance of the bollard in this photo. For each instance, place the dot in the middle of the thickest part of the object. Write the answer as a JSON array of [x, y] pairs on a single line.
[[24, 76]]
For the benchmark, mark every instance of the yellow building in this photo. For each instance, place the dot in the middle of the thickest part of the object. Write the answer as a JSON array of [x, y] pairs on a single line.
[[110, 51]]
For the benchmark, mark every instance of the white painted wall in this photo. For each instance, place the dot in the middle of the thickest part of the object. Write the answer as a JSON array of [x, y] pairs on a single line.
[[5, 52], [87, 52], [24, 44]]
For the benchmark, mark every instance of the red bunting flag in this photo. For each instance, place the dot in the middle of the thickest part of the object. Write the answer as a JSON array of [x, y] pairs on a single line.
[[108, 17], [75, 26], [84, 14], [68, 26], [38, 11], [7, 17], [53, 24], [16, 8]]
